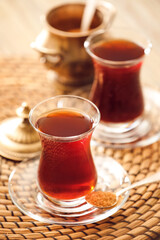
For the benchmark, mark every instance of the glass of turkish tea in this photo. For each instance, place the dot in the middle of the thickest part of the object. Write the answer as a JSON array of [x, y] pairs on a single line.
[[66, 170], [118, 56]]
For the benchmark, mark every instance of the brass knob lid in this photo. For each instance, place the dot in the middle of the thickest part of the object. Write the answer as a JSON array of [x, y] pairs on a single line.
[[18, 139], [23, 111], [19, 129]]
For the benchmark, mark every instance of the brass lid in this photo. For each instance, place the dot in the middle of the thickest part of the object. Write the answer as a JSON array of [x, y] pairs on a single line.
[[18, 139]]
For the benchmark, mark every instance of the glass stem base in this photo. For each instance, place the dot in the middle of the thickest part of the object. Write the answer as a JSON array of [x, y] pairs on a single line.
[[122, 127]]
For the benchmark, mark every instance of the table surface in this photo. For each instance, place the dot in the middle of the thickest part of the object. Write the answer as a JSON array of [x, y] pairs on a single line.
[[25, 80], [20, 24]]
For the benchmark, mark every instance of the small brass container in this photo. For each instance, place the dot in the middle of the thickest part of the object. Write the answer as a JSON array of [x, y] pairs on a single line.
[[60, 43], [18, 139]]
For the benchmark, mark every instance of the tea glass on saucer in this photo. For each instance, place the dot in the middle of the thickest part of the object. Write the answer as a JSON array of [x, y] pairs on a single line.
[[65, 125], [53, 187], [118, 55]]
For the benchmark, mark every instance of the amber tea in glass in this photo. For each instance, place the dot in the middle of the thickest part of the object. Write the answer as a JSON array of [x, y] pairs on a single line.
[[66, 169], [118, 56]]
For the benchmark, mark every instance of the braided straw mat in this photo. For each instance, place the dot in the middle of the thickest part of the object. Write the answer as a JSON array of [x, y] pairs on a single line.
[[25, 79]]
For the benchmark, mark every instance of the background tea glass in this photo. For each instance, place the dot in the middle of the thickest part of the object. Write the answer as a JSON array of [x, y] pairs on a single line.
[[118, 56], [60, 43], [66, 171]]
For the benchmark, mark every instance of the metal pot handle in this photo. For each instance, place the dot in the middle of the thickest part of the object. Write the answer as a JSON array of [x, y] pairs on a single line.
[[48, 55]]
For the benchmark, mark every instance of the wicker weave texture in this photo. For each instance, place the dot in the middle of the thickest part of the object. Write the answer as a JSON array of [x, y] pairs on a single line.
[[139, 219]]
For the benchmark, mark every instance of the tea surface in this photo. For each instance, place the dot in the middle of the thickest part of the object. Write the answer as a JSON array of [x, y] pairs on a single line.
[[64, 123], [118, 50]]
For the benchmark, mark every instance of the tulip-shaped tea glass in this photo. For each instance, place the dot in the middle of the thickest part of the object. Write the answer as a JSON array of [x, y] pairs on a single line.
[[66, 171], [118, 56], [53, 187]]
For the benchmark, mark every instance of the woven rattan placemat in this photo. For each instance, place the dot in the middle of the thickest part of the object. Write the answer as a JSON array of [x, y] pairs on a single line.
[[24, 79]]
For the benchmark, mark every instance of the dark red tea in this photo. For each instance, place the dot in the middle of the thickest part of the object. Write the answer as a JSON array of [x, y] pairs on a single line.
[[116, 90], [66, 170]]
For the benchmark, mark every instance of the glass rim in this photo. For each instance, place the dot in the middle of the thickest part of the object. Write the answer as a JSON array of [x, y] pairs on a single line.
[[69, 138], [112, 63]]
